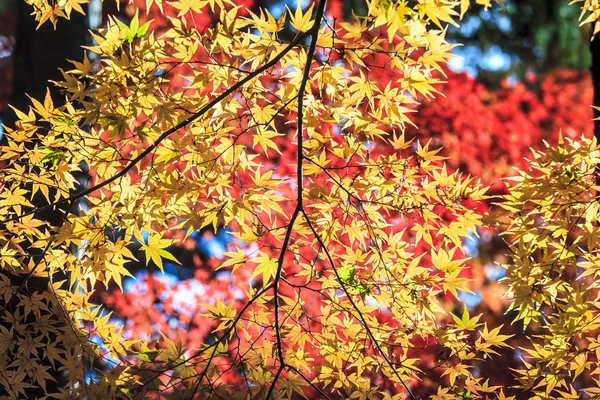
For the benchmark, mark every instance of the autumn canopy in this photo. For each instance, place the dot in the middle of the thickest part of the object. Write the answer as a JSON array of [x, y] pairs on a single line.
[[303, 153]]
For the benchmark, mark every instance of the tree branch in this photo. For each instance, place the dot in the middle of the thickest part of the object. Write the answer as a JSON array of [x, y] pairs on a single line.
[[360, 315], [314, 35], [168, 133]]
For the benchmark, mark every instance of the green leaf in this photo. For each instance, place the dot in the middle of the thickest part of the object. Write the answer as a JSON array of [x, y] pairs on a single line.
[[52, 155]]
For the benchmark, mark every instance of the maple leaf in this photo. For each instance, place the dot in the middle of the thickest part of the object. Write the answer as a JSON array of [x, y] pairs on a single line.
[[452, 283], [267, 266], [185, 6], [301, 22], [465, 322], [155, 250]]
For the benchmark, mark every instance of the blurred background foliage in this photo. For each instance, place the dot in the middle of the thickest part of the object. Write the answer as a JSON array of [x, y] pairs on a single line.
[[527, 36]]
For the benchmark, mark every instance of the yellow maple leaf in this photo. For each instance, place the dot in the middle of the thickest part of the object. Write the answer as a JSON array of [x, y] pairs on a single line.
[[301, 22], [155, 250]]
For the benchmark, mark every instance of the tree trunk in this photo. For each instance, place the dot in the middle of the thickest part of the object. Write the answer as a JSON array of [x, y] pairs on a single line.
[[39, 54]]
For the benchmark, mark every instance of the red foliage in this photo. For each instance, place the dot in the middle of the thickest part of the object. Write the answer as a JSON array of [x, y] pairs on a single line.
[[488, 132]]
